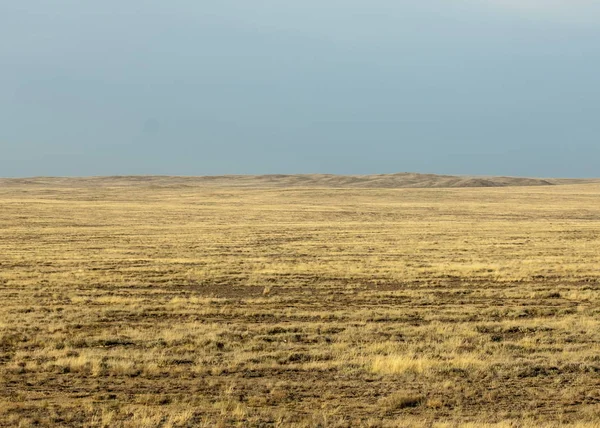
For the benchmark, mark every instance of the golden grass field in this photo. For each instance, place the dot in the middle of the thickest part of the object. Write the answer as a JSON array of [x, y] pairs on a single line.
[[147, 304]]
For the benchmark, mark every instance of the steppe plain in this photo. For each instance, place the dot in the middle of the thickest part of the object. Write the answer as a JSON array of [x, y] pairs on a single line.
[[299, 301]]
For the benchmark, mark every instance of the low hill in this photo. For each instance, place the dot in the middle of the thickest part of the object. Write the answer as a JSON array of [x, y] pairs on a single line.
[[399, 180]]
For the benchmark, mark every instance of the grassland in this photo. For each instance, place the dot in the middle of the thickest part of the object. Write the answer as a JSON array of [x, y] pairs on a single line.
[[180, 304]]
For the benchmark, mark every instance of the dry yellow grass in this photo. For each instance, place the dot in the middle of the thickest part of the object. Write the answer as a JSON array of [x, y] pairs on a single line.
[[175, 304]]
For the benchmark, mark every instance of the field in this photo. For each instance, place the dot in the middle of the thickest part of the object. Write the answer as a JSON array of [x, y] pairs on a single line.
[[180, 304]]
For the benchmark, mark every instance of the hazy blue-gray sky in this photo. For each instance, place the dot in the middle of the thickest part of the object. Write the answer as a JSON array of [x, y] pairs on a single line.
[[196, 87]]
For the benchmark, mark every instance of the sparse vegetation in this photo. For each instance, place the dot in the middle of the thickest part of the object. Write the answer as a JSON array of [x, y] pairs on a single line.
[[179, 305]]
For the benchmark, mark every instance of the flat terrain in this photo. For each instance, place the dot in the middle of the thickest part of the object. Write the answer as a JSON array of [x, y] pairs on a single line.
[[137, 303]]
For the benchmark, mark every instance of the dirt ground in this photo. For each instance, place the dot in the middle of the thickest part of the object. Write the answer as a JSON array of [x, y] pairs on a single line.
[[140, 305]]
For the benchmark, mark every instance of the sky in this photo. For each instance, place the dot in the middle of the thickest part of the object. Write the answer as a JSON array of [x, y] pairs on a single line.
[[198, 87]]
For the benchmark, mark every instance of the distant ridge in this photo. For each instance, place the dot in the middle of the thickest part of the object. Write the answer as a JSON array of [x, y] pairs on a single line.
[[399, 180]]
